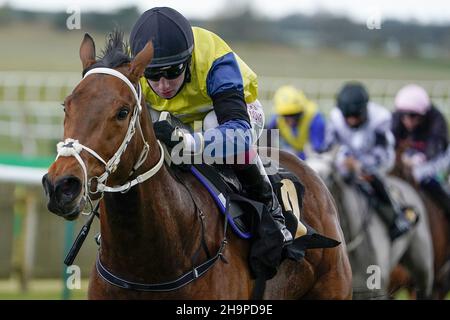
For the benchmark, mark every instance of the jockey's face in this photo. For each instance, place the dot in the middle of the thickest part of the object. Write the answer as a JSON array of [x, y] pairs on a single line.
[[166, 88], [354, 121], [411, 120], [292, 120]]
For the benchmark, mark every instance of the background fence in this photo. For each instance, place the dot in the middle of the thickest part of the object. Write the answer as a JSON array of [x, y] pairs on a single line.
[[31, 115], [31, 124]]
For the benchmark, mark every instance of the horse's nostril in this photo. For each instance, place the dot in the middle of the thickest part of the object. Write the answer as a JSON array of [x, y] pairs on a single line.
[[68, 188]]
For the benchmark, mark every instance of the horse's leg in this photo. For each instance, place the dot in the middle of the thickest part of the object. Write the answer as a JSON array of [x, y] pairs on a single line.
[[335, 284], [418, 255], [440, 236], [419, 261]]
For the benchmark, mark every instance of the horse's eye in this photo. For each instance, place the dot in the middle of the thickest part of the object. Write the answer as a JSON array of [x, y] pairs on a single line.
[[123, 114]]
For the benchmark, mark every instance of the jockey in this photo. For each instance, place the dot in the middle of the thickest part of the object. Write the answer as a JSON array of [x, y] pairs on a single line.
[[299, 121], [195, 76], [422, 129], [366, 151]]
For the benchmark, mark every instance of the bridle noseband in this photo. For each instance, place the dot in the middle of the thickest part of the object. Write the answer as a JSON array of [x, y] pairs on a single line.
[[71, 147]]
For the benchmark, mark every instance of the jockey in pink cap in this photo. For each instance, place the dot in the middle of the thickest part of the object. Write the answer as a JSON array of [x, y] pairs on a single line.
[[422, 128], [414, 99]]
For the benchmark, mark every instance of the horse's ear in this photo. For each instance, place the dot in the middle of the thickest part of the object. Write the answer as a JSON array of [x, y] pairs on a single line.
[[87, 51], [140, 62]]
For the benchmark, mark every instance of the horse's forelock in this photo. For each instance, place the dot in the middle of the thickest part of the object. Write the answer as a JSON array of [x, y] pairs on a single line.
[[114, 54]]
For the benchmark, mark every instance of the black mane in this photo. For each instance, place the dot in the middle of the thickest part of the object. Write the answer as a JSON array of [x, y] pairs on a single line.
[[114, 54]]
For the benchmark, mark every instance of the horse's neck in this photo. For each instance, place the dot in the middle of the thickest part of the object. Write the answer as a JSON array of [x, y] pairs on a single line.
[[148, 226], [353, 209], [145, 230]]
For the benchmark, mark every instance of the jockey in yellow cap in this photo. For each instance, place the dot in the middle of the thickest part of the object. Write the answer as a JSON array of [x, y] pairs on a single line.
[[299, 121]]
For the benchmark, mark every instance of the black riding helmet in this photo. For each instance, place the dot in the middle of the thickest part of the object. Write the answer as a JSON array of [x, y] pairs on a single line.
[[352, 100], [170, 32]]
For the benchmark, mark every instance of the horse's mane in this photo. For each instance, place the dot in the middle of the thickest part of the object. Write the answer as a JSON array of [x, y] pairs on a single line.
[[114, 54]]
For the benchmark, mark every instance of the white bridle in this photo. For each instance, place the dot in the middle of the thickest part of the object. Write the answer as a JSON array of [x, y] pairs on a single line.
[[72, 148]]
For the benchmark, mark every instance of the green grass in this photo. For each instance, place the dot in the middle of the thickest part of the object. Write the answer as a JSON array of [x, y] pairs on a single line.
[[34, 47], [39, 47], [51, 289], [295, 62], [48, 289]]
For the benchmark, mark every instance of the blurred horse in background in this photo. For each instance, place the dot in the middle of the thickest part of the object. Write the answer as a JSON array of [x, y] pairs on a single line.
[[368, 243], [440, 234]]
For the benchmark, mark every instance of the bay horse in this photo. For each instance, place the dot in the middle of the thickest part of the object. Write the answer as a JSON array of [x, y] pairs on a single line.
[[369, 247], [440, 234], [151, 231]]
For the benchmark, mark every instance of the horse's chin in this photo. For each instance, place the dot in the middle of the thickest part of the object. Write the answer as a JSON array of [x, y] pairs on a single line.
[[70, 211]]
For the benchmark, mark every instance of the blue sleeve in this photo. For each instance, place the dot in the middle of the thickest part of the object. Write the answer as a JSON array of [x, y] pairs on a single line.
[[317, 132], [272, 123], [301, 155], [230, 138], [224, 75]]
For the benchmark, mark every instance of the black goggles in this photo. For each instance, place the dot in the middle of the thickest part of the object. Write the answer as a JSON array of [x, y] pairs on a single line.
[[410, 114], [169, 72], [353, 115]]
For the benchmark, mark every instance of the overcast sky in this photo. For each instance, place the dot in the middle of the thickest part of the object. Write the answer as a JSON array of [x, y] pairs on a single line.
[[430, 11]]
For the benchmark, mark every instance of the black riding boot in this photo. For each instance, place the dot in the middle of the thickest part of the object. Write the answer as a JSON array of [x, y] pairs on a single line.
[[437, 192], [257, 185], [399, 220]]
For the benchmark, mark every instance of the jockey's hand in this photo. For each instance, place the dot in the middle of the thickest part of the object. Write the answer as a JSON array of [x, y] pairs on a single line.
[[352, 165], [167, 133], [366, 176]]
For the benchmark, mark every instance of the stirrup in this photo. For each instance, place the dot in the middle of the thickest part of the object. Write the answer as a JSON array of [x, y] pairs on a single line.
[[403, 223], [411, 215], [287, 236]]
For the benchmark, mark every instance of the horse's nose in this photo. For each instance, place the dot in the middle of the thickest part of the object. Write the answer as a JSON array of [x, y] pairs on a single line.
[[62, 195], [64, 191], [67, 189]]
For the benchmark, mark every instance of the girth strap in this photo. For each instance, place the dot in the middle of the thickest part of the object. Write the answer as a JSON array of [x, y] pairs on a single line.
[[180, 282]]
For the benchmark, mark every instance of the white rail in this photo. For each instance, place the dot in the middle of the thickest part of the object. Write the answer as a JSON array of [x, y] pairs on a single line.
[[30, 108]]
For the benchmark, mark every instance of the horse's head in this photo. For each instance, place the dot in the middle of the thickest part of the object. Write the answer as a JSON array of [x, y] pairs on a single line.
[[101, 115]]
